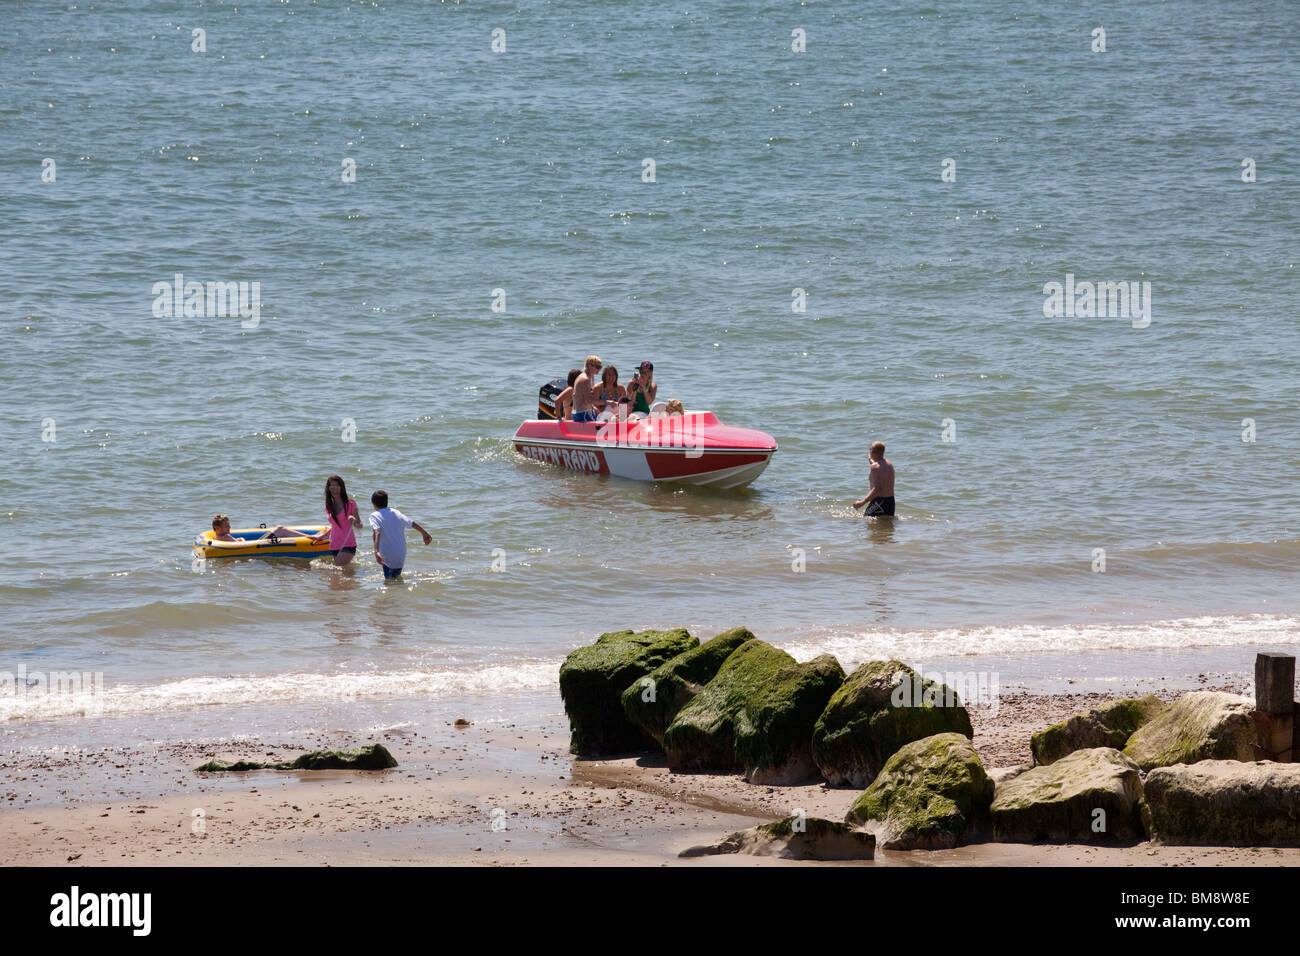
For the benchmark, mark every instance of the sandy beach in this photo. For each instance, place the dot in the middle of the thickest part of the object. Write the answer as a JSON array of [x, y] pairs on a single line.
[[486, 794]]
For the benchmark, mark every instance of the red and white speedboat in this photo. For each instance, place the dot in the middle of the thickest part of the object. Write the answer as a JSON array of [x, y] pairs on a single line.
[[693, 449]]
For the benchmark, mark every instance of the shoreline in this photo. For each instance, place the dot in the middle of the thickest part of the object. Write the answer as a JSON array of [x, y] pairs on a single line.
[[145, 805], [304, 700]]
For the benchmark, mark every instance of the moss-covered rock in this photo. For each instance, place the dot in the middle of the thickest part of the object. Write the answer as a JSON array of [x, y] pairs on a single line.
[[1062, 800], [369, 757], [774, 727], [930, 795], [703, 734], [372, 757], [795, 838], [1110, 725], [652, 701], [239, 766], [1202, 725], [592, 681], [882, 706], [1224, 803]]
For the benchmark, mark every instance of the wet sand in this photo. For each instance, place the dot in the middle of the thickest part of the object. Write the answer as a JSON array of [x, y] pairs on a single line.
[[482, 795]]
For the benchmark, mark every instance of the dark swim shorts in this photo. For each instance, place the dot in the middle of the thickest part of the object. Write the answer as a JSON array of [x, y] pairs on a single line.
[[335, 553], [880, 507]]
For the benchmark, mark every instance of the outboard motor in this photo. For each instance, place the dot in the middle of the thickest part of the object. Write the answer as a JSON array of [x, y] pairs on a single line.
[[546, 397]]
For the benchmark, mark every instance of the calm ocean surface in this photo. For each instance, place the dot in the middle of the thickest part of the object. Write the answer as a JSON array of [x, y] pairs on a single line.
[[522, 171]]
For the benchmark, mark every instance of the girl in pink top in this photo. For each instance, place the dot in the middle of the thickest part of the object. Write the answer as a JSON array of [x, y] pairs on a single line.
[[343, 518]]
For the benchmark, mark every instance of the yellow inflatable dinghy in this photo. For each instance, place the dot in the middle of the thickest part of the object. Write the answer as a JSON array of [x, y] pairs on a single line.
[[257, 543]]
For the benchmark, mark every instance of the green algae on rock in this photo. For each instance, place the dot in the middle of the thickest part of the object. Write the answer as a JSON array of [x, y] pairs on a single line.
[[1109, 725], [1223, 803], [774, 726], [372, 757], [592, 681], [795, 838], [216, 766], [930, 795], [369, 757], [703, 734], [652, 701], [1202, 725], [867, 720], [1088, 796]]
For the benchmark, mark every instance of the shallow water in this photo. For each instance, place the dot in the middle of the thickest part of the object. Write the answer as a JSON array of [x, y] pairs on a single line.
[[522, 171]]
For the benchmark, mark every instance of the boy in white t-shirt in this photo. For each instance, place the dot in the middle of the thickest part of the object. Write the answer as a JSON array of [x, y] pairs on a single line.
[[390, 526]]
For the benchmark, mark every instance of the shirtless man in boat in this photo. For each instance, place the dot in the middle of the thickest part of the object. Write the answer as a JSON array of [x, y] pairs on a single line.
[[584, 392], [880, 497]]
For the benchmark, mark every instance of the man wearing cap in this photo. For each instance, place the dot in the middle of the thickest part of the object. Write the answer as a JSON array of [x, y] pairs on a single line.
[[643, 388]]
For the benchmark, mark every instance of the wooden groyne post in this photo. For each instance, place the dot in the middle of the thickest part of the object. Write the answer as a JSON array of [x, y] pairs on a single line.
[[1275, 706]]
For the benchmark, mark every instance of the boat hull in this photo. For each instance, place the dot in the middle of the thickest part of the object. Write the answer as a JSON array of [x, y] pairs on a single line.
[[694, 449]]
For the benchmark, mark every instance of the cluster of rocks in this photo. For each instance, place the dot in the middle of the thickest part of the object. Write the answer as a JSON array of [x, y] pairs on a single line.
[[736, 704], [1131, 769], [1182, 773]]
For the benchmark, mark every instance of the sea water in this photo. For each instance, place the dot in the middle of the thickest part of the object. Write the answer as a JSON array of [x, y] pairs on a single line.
[[832, 222]]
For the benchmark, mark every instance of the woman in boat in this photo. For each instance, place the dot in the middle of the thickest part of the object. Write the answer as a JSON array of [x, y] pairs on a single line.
[[343, 520], [643, 388], [610, 392]]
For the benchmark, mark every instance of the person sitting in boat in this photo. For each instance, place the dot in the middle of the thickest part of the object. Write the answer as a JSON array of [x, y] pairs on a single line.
[[564, 401], [610, 393], [643, 388], [221, 529], [584, 391]]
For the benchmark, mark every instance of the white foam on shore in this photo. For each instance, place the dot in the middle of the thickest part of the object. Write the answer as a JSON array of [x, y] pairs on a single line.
[[853, 648], [40, 704]]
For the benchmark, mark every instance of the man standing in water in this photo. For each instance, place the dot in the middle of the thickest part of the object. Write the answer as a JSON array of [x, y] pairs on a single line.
[[880, 499]]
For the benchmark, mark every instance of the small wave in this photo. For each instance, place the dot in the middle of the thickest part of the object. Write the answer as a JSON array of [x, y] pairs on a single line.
[[856, 647], [79, 695]]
